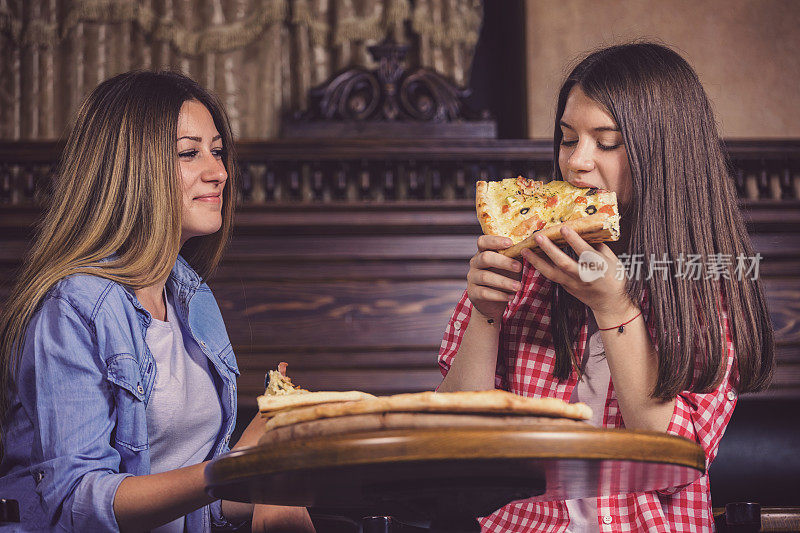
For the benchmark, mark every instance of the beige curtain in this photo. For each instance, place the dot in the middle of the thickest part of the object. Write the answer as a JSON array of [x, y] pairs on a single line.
[[259, 56]]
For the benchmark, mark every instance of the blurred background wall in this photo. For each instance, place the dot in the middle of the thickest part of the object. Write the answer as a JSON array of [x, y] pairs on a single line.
[[260, 56], [746, 52]]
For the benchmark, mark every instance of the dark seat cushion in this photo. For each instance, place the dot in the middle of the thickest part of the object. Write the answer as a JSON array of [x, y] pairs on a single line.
[[759, 456]]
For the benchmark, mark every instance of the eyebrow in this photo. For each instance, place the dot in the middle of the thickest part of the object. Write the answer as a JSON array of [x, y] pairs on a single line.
[[198, 139], [601, 128]]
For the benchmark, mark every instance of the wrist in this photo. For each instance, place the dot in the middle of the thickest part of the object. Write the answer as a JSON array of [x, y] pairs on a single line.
[[612, 318], [484, 320]]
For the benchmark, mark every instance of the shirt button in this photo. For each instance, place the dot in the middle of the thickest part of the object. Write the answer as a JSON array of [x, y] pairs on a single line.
[[731, 395], [457, 325], [203, 344], [227, 439], [606, 519], [140, 389]]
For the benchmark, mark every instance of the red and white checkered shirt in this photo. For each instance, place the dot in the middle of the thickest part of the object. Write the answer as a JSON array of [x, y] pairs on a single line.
[[525, 361]]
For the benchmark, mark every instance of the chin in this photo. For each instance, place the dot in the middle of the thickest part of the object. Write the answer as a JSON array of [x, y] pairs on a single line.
[[201, 231]]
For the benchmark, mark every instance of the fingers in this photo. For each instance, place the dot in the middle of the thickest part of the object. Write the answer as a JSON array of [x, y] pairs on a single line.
[[575, 241], [489, 259], [603, 249], [493, 280], [543, 266], [561, 260], [493, 242], [479, 293]]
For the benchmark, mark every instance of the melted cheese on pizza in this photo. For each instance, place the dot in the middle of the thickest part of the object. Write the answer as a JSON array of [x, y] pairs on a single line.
[[517, 207]]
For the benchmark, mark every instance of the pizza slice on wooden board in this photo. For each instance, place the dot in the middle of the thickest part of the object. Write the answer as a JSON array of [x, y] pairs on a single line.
[[282, 394], [491, 402], [519, 207]]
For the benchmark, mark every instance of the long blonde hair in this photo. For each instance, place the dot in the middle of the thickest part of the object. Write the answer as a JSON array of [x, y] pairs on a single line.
[[116, 191]]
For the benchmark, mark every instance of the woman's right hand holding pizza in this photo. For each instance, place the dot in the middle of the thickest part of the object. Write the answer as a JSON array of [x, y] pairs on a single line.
[[493, 278]]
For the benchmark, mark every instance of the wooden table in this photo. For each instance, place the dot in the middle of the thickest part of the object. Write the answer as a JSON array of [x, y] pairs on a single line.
[[449, 468]]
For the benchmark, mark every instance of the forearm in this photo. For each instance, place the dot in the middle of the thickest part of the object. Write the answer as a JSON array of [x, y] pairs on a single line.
[[236, 511], [144, 502], [475, 363], [633, 362]]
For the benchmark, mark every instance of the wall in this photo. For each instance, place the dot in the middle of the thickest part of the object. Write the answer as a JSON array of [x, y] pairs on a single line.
[[746, 52], [259, 56]]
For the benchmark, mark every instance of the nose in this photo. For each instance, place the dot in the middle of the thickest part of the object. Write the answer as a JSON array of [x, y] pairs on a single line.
[[581, 160], [214, 170]]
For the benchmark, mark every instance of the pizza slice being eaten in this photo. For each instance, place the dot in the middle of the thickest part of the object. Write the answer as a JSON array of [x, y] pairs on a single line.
[[282, 394], [519, 207]]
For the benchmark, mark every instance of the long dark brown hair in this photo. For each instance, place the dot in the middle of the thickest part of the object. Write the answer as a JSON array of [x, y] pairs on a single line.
[[117, 191], [683, 202]]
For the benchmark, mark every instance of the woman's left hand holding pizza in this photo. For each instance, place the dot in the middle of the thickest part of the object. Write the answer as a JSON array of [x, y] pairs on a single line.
[[604, 295], [631, 357]]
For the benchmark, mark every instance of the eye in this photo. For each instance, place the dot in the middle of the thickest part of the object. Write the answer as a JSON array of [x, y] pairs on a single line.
[[608, 148], [218, 152], [187, 154], [565, 142]]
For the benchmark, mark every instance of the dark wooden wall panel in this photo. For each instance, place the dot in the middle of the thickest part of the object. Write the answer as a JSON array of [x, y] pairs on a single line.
[[338, 314], [356, 294]]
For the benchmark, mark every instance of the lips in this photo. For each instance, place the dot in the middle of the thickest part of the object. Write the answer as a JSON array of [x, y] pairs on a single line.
[[209, 198], [577, 183]]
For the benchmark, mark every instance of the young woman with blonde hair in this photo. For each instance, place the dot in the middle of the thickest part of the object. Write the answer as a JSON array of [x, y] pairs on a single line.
[[662, 351], [118, 378]]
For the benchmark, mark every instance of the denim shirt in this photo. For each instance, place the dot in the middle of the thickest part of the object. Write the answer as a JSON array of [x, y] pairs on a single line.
[[77, 425]]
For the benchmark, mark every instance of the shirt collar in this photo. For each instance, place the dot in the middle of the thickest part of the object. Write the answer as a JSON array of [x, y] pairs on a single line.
[[182, 276]]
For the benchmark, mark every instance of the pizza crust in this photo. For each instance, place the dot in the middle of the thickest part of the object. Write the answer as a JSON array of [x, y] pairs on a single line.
[[342, 425], [269, 405], [592, 229], [493, 401], [482, 207]]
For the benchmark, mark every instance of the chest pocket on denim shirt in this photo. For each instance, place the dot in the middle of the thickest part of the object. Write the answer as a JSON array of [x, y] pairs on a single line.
[[128, 389]]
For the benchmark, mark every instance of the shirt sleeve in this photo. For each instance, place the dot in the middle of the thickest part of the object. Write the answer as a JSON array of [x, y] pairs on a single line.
[[62, 387], [703, 417], [454, 334]]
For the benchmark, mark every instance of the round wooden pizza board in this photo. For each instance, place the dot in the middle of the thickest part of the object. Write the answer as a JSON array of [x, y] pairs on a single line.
[[434, 465]]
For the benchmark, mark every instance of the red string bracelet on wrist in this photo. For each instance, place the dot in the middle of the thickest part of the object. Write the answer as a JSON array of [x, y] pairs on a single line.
[[621, 327]]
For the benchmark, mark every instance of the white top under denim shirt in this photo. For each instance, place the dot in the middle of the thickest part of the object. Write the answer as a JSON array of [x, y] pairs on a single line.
[[77, 425], [184, 415]]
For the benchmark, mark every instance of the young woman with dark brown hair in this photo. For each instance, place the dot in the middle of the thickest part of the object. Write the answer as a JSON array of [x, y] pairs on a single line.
[[661, 350], [118, 378]]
